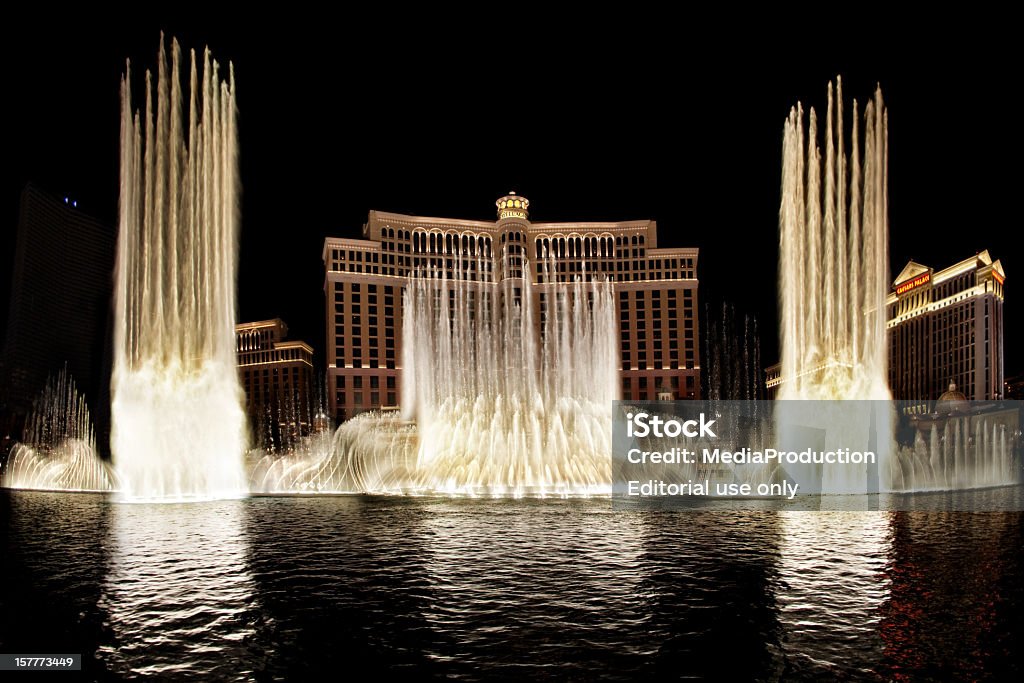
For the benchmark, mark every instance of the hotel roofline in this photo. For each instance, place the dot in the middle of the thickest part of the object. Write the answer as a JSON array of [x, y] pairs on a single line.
[[981, 261], [259, 324], [376, 216], [376, 219]]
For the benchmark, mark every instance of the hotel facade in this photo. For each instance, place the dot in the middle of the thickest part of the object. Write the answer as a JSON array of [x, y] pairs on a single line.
[[656, 290], [277, 375], [946, 327]]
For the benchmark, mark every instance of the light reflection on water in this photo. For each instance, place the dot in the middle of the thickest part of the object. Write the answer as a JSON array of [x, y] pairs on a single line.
[[559, 582], [272, 588], [178, 594], [832, 583]]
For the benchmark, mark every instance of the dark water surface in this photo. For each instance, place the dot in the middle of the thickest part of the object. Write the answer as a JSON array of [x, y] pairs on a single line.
[[290, 588]]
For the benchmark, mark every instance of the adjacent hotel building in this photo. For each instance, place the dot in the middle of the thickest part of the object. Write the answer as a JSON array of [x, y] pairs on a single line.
[[946, 327], [656, 289], [277, 376]]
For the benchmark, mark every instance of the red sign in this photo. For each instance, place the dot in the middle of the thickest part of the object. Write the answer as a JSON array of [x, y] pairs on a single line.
[[998, 277], [913, 284]]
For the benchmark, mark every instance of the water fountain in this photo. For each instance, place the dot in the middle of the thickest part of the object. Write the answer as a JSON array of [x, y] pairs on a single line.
[[833, 264], [960, 447], [834, 255], [503, 403], [833, 278], [507, 384], [833, 281], [732, 352], [58, 448], [178, 426]]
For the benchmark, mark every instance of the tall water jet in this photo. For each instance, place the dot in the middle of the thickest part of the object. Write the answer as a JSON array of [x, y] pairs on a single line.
[[834, 254], [178, 426], [499, 408], [833, 279]]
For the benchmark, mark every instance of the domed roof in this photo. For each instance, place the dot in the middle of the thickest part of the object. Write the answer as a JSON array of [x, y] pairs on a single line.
[[513, 206], [951, 400], [953, 394]]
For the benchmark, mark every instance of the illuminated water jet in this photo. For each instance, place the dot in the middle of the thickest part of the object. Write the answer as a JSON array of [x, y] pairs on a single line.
[[834, 254], [178, 426], [58, 451], [833, 282], [495, 401]]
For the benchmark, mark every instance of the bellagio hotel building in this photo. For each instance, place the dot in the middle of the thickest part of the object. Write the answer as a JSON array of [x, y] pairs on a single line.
[[656, 289]]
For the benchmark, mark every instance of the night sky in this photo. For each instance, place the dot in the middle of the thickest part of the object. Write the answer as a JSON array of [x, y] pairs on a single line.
[[588, 123]]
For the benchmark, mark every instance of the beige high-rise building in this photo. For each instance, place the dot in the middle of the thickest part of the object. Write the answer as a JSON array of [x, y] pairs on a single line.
[[277, 375], [946, 327], [656, 290]]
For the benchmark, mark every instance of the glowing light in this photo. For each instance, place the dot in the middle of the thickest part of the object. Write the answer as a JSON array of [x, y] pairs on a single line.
[[922, 279]]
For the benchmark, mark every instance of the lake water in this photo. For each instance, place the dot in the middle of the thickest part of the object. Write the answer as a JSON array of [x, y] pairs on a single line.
[[272, 588]]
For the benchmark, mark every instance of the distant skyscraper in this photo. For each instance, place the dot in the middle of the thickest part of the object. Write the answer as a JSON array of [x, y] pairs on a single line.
[[946, 327], [60, 306], [656, 290]]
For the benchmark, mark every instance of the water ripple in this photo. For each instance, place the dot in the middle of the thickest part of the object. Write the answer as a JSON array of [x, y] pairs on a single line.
[[291, 588]]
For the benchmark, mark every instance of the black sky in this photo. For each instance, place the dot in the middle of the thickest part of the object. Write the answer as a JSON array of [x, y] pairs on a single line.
[[642, 121]]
